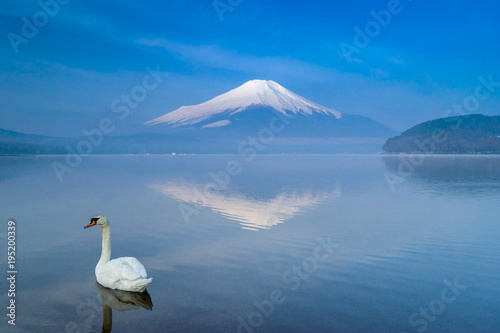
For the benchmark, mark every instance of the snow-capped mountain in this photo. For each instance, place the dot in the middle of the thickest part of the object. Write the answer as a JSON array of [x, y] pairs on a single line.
[[258, 115], [251, 95], [260, 106]]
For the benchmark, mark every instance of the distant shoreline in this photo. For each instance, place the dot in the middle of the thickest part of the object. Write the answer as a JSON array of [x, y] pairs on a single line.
[[383, 154]]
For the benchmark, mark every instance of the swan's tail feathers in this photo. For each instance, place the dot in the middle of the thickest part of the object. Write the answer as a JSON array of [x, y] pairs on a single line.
[[141, 285]]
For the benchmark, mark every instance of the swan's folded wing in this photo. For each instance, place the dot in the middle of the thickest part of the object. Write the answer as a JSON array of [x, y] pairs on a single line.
[[135, 265], [126, 268]]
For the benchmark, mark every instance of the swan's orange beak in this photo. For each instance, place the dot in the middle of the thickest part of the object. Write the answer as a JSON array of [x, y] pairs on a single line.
[[91, 224]]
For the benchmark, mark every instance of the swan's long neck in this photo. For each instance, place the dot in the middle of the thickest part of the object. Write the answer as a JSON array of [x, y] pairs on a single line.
[[106, 246]]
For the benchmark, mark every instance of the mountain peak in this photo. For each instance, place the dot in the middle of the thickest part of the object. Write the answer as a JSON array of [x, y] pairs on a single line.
[[261, 85], [260, 93], [259, 82]]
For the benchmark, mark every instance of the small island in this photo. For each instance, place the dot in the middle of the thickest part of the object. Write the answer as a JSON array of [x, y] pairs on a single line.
[[467, 134]]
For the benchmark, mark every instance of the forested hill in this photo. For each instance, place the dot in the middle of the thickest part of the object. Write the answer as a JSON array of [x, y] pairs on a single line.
[[469, 134]]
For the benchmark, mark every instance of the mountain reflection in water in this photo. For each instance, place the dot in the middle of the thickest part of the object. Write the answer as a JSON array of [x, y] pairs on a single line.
[[252, 213]]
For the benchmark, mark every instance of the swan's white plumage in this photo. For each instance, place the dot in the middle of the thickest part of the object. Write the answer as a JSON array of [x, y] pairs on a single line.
[[125, 273]]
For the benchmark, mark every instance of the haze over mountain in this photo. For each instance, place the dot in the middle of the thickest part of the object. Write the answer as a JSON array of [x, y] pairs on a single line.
[[257, 104], [279, 120]]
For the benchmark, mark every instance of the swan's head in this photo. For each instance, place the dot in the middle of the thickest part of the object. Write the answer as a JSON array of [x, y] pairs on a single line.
[[97, 220]]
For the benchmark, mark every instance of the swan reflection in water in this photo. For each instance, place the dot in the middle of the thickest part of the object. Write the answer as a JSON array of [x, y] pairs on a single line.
[[122, 301]]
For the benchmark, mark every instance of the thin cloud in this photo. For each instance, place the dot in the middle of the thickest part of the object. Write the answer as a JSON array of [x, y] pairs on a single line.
[[396, 61], [222, 59]]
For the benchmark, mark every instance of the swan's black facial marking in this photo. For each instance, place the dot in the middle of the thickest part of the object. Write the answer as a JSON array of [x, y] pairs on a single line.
[[93, 222]]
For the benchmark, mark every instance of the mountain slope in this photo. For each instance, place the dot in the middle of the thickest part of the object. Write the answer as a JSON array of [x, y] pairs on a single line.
[[463, 135], [252, 94], [17, 143], [260, 104], [12, 142]]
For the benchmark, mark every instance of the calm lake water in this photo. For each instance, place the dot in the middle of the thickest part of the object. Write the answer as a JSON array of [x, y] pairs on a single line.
[[279, 244]]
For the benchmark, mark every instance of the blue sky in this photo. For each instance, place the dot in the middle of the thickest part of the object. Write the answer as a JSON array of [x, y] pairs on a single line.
[[64, 78]]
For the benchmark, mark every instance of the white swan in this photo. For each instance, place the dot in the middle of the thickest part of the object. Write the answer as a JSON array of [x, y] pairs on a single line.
[[125, 273]]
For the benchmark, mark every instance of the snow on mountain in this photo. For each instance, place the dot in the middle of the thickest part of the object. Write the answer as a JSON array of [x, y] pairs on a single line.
[[255, 93]]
